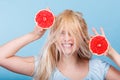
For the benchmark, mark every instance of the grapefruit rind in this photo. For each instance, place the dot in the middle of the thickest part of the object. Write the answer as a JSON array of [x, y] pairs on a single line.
[[44, 18], [98, 45]]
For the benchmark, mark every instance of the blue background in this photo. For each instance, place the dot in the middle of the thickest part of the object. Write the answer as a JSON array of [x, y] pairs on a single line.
[[17, 19]]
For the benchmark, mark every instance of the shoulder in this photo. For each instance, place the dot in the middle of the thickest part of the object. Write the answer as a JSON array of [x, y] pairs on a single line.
[[98, 69], [98, 63], [113, 74]]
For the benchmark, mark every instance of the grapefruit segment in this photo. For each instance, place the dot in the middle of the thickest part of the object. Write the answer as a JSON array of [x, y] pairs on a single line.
[[44, 19], [98, 45]]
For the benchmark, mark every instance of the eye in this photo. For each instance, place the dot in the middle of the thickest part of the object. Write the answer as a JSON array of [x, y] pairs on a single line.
[[62, 32]]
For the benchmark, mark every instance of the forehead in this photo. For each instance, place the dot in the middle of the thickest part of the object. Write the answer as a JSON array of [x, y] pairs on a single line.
[[65, 29]]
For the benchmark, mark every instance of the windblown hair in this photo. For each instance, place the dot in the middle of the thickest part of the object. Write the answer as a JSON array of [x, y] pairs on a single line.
[[50, 55]]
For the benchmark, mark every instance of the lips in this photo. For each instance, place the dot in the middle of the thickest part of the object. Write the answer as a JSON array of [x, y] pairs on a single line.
[[67, 45]]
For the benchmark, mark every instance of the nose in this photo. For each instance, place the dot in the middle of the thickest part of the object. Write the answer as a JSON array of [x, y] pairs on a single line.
[[67, 37]]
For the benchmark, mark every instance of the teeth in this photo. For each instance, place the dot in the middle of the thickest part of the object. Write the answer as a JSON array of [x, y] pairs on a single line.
[[67, 45]]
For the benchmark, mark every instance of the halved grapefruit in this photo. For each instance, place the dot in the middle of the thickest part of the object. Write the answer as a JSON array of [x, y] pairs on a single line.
[[44, 18], [98, 45]]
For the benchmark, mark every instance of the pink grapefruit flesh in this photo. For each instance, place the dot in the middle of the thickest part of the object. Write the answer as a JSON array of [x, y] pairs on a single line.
[[44, 18], [98, 45]]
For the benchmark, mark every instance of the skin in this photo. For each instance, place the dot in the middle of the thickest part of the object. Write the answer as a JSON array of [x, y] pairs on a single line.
[[18, 64], [112, 73], [25, 65], [111, 52], [70, 63]]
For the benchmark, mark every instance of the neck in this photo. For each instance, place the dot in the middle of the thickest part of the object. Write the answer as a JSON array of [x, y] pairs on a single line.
[[67, 61], [69, 64]]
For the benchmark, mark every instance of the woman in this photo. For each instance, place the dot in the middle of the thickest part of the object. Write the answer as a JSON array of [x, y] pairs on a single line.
[[66, 55]]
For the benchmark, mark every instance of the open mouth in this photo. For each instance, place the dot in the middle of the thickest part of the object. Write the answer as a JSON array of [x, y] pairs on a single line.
[[67, 45]]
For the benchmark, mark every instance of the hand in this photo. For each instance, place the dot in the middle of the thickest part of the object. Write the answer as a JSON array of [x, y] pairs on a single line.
[[96, 33], [38, 32], [107, 53]]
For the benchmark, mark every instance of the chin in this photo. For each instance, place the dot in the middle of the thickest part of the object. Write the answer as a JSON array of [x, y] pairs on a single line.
[[67, 53]]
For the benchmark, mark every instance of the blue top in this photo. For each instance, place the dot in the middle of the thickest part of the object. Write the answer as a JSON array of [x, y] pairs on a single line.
[[97, 71]]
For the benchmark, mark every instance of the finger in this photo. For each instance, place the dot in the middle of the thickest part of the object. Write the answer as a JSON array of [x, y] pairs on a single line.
[[40, 28], [94, 31], [91, 36], [48, 9], [102, 31], [107, 51], [105, 54]]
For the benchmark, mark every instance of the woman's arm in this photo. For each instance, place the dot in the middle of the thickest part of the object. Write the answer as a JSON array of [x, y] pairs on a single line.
[[23, 65], [113, 74], [111, 53], [114, 55]]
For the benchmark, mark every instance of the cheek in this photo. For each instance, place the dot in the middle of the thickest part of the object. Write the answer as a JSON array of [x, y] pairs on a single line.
[[76, 44], [60, 39], [58, 42], [58, 46]]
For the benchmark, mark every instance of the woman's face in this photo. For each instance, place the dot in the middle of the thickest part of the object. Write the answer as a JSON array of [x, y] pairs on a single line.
[[65, 42]]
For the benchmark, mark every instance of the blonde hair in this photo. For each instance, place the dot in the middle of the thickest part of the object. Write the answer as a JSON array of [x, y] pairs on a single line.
[[77, 27]]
